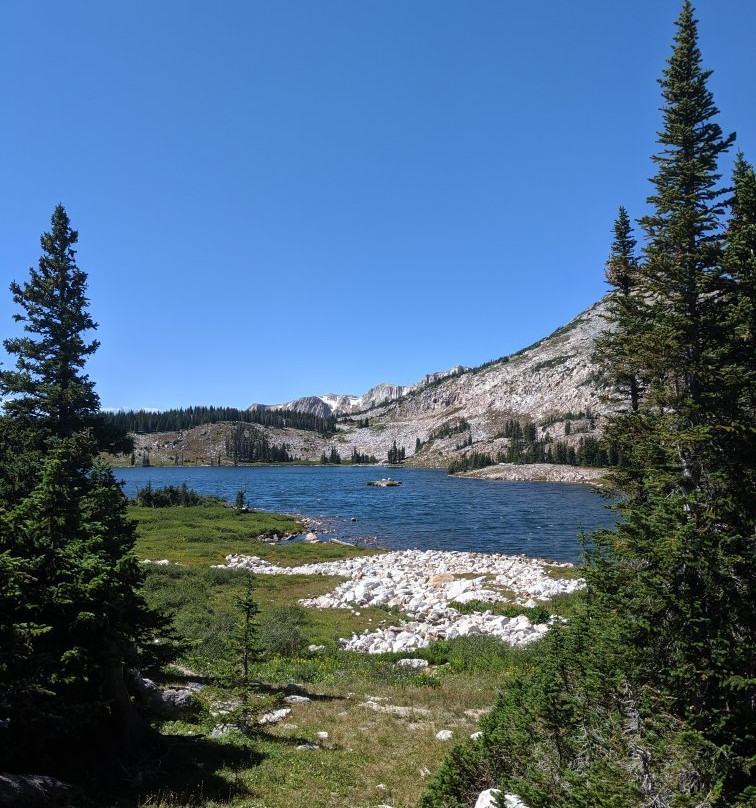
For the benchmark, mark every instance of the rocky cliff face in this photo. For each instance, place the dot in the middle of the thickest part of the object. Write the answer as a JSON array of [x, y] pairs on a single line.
[[335, 404], [553, 383]]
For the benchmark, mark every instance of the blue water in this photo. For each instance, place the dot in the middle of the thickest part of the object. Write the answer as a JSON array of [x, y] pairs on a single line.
[[429, 510]]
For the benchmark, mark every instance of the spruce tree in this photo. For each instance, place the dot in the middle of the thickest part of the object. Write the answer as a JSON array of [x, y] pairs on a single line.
[[646, 696], [617, 347], [683, 559], [48, 385], [71, 615], [738, 298]]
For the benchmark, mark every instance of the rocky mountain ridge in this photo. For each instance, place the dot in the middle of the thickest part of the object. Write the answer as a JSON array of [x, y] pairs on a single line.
[[329, 404], [553, 384]]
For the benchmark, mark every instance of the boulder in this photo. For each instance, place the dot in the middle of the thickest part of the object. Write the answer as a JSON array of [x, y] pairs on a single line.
[[441, 579], [32, 791], [413, 663], [171, 703], [274, 716], [455, 589], [513, 801], [487, 798]]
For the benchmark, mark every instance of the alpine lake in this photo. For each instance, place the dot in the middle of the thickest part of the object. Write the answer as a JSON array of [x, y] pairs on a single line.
[[429, 510]]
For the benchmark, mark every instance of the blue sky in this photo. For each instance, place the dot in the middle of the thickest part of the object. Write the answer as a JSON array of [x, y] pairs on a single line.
[[292, 197]]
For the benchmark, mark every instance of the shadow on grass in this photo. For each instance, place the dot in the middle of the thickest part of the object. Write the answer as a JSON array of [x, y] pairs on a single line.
[[292, 690], [187, 774]]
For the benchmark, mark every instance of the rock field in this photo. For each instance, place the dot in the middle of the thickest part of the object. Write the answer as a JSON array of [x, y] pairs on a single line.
[[423, 584]]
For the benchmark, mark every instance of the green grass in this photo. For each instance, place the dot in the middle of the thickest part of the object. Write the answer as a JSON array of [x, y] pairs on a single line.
[[562, 605], [202, 604], [203, 536], [371, 755], [381, 718], [563, 573]]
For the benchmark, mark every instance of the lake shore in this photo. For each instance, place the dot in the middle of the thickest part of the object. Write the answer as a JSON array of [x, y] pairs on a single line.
[[430, 588], [537, 472]]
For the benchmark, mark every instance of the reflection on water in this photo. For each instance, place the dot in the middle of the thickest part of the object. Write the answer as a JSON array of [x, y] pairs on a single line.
[[429, 510]]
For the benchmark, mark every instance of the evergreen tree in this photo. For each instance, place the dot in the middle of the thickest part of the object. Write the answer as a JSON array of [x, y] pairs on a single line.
[[616, 348], [245, 637], [737, 323], [48, 385], [240, 502], [68, 577], [686, 542], [646, 696], [393, 454]]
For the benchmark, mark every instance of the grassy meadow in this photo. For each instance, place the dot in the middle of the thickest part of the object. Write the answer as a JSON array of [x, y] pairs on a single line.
[[381, 719]]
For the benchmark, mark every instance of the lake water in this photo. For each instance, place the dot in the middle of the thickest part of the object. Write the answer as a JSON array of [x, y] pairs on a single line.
[[429, 510]]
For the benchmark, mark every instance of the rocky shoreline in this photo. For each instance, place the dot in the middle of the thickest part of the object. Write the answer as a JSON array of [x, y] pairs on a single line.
[[424, 585], [537, 472]]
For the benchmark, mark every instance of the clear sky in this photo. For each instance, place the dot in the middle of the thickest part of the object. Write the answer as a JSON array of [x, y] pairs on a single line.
[[289, 197]]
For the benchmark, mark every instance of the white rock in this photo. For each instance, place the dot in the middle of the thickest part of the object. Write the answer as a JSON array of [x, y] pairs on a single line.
[[219, 730], [413, 663], [476, 736], [444, 735], [323, 736], [487, 798], [403, 579], [454, 590], [275, 716], [296, 699]]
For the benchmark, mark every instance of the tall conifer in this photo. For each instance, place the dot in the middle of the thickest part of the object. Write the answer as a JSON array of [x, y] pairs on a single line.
[[649, 689], [684, 555], [617, 347], [71, 617]]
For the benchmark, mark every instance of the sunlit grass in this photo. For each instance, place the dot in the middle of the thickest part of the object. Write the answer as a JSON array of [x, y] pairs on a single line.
[[381, 718], [202, 536]]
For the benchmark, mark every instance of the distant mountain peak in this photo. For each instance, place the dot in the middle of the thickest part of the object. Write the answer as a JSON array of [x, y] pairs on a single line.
[[345, 404]]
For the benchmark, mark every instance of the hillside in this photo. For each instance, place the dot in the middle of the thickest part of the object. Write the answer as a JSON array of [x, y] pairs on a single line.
[[552, 383]]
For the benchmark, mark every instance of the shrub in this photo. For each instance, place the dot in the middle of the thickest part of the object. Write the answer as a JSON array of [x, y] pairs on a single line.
[[281, 632], [172, 496]]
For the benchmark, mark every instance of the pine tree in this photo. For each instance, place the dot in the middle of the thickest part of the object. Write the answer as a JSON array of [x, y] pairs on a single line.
[[68, 576], [683, 256], [686, 542], [617, 347], [245, 637], [651, 698], [240, 501], [737, 299], [48, 386]]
